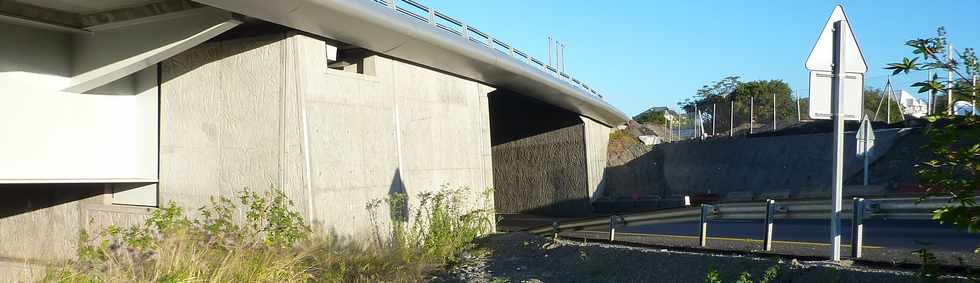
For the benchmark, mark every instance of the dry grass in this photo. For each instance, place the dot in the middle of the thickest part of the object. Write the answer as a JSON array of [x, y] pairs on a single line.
[[270, 243]]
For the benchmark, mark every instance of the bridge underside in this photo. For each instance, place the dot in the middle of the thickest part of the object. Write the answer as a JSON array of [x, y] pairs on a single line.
[[541, 157]]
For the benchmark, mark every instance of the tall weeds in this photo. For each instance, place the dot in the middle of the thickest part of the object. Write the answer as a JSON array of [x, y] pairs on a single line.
[[260, 238]]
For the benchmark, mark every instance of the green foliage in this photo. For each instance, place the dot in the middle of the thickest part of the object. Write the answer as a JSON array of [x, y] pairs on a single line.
[[260, 238], [441, 227], [622, 136], [770, 275], [730, 91], [955, 144], [712, 276], [651, 117], [873, 103], [744, 277], [954, 141], [929, 270]]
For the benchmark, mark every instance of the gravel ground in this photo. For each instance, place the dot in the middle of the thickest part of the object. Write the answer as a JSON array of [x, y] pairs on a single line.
[[522, 257]]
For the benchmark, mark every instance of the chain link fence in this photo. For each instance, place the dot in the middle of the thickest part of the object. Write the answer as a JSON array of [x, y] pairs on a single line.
[[773, 114]]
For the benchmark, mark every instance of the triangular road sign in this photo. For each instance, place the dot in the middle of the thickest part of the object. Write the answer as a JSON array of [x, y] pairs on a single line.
[[865, 132], [822, 58]]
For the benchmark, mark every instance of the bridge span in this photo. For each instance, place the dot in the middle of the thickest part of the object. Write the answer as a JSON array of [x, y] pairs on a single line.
[[111, 109]]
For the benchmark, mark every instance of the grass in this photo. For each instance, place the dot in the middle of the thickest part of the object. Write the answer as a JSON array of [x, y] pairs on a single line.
[[260, 238]]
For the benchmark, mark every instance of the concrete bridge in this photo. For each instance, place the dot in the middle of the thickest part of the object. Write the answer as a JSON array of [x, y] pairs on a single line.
[[111, 108]]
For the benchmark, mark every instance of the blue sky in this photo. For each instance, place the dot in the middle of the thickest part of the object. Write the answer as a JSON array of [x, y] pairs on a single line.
[[654, 53]]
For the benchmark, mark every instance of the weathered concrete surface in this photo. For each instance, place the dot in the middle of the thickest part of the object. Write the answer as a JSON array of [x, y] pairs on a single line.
[[596, 145], [540, 155], [265, 112], [798, 164]]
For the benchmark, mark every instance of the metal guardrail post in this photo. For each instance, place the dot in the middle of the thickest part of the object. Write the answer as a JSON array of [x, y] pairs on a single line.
[[857, 228], [391, 4], [612, 228], [554, 230], [705, 211], [770, 216]]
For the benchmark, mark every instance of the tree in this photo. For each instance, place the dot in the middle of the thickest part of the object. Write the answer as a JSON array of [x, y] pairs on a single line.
[[873, 103], [730, 90], [954, 141]]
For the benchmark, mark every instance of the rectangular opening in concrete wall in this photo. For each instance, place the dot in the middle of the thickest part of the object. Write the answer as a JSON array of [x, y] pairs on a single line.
[[349, 58]]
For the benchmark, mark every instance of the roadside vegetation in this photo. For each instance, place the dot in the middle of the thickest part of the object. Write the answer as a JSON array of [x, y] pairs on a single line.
[[261, 238], [954, 140]]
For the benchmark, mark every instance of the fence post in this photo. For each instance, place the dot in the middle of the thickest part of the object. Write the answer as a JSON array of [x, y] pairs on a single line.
[[612, 228], [857, 228], [770, 216], [773, 111], [731, 115], [714, 116], [751, 114], [799, 114], [704, 224]]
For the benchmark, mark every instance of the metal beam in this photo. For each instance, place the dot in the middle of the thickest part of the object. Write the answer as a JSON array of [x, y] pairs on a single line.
[[122, 68]]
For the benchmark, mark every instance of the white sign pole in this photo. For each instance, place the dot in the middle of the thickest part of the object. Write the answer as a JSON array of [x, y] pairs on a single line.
[[838, 184]]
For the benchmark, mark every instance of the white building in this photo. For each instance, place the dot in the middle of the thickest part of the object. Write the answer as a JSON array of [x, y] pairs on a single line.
[[912, 105]]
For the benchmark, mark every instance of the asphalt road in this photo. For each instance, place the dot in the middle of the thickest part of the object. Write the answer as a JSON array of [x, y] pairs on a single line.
[[906, 234]]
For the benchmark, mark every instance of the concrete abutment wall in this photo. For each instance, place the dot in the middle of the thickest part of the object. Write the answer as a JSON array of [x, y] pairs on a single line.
[[547, 160], [265, 112]]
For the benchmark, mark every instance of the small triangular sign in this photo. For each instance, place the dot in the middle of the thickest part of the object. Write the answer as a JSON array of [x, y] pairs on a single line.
[[822, 56], [865, 132]]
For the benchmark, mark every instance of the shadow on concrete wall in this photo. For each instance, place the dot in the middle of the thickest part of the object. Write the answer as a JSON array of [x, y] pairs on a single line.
[[398, 213], [539, 157], [16, 199], [793, 164], [640, 177]]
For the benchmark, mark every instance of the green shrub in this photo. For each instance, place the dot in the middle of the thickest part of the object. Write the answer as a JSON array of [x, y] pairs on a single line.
[[260, 238]]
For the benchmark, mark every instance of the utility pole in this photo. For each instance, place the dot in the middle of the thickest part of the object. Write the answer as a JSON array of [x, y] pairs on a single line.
[[889, 105], [949, 82], [714, 116], [563, 66], [549, 50], [932, 93], [559, 57], [974, 92]]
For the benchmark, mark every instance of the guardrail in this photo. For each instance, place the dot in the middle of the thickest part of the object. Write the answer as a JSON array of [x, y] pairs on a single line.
[[449, 24], [857, 209]]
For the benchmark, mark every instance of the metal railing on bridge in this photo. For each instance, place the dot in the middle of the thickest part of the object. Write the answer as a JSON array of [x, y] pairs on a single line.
[[446, 23], [857, 209]]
